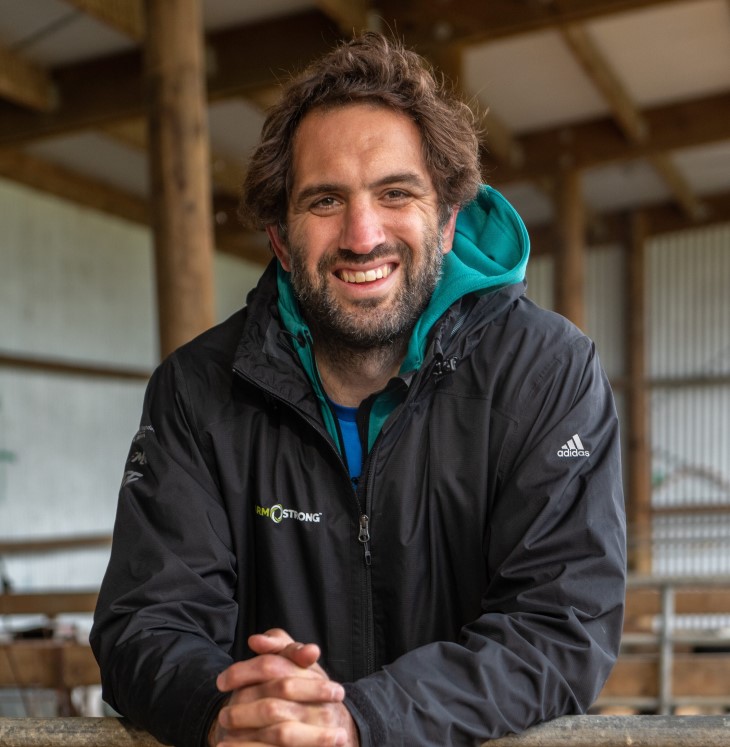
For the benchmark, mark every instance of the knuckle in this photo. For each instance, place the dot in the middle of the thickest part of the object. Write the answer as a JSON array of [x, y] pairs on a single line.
[[271, 710], [287, 688], [329, 717], [269, 666]]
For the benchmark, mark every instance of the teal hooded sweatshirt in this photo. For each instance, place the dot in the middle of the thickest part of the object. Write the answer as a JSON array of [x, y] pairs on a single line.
[[490, 251]]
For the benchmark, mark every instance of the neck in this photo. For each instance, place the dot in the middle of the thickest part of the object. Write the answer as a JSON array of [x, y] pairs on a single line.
[[349, 376]]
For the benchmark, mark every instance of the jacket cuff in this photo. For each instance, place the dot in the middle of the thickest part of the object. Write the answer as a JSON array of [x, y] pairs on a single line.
[[202, 708], [369, 723]]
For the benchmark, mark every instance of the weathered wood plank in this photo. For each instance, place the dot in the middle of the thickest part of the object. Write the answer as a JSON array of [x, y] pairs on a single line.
[[569, 731]]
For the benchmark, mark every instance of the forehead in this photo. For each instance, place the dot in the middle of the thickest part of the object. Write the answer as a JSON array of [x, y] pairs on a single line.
[[360, 138]]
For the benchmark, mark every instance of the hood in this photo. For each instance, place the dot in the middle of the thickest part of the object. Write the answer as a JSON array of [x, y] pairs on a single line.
[[490, 251]]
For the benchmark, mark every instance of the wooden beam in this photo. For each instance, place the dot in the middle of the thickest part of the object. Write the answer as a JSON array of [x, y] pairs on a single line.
[[692, 675], [604, 78], [468, 21], [678, 185], [64, 368], [664, 218], [599, 142], [642, 603], [242, 60], [569, 273], [26, 83], [126, 16], [661, 219], [47, 664], [226, 173], [627, 115], [180, 171], [53, 544], [567, 731], [50, 604], [70, 185], [638, 452], [76, 731], [91, 193]]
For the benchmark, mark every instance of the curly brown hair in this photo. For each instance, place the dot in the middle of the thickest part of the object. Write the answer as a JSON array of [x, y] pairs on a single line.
[[369, 69]]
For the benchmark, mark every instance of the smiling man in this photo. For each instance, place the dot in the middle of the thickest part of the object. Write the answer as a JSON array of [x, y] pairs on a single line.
[[354, 521]]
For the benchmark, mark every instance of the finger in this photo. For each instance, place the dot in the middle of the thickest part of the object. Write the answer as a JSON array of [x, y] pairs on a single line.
[[261, 669], [296, 689], [296, 734], [267, 712], [285, 734], [277, 641]]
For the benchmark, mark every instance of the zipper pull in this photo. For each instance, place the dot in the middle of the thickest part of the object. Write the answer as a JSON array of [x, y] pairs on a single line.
[[364, 537]]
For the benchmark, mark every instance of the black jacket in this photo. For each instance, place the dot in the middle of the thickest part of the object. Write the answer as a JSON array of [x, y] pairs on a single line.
[[490, 594]]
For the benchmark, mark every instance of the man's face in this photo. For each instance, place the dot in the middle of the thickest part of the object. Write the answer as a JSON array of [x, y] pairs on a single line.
[[364, 245]]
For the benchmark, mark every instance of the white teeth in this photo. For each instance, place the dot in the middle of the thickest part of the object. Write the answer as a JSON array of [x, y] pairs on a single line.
[[366, 277]]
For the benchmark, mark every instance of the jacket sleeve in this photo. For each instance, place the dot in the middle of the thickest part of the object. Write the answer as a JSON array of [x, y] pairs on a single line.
[[552, 611], [166, 615]]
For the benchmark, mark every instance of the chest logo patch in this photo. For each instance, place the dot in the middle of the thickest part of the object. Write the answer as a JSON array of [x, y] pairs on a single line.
[[278, 513]]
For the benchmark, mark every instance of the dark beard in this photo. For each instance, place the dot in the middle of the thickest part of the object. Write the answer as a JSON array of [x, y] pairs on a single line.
[[369, 328]]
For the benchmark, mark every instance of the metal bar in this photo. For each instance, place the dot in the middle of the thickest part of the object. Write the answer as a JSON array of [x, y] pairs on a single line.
[[569, 731], [666, 651]]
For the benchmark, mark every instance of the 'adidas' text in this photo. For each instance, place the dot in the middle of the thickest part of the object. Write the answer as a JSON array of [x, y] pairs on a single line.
[[573, 448]]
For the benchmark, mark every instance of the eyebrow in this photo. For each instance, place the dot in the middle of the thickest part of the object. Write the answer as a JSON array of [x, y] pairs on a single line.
[[406, 177]]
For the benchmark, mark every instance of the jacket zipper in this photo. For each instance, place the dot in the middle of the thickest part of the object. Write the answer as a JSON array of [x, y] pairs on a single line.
[[363, 527], [367, 583], [364, 537]]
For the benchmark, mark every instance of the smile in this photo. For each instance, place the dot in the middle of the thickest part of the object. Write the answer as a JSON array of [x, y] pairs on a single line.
[[365, 276]]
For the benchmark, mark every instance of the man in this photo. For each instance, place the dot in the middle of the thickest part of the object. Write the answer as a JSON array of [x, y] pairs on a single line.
[[350, 514]]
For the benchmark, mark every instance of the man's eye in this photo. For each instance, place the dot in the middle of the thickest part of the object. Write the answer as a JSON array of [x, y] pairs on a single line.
[[395, 194], [323, 203]]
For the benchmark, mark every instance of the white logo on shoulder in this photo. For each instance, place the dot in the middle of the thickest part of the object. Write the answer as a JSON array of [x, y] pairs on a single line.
[[573, 448], [131, 476]]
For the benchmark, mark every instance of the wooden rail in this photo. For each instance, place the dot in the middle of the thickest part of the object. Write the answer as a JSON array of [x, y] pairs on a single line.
[[569, 731], [662, 667]]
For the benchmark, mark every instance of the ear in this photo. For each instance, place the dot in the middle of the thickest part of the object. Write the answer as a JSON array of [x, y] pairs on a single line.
[[279, 246], [448, 230]]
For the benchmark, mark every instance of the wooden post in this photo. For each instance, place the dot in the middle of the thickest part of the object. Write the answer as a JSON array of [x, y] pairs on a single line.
[[569, 272], [180, 172], [638, 451]]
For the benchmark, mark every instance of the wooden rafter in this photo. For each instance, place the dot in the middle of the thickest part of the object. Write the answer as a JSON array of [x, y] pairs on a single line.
[[498, 138], [599, 142], [468, 21], [68, 184], [243, 60], [627, 115], [226, 173], [126, 16], [25, 83], [88, 192]]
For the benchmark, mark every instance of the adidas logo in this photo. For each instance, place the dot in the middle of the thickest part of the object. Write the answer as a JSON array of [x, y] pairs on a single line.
[[573, 448]]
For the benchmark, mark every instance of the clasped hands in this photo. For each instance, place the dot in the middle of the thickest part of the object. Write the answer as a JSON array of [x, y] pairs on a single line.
[[281, 697]]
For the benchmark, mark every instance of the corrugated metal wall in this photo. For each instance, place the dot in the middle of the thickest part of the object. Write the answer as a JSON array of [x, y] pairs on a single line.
[[689, 374]]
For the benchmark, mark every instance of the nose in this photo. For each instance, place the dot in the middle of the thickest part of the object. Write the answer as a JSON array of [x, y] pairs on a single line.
[[362, 228]]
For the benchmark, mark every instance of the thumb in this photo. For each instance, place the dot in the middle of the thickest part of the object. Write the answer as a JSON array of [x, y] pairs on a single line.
[[277, 641]]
